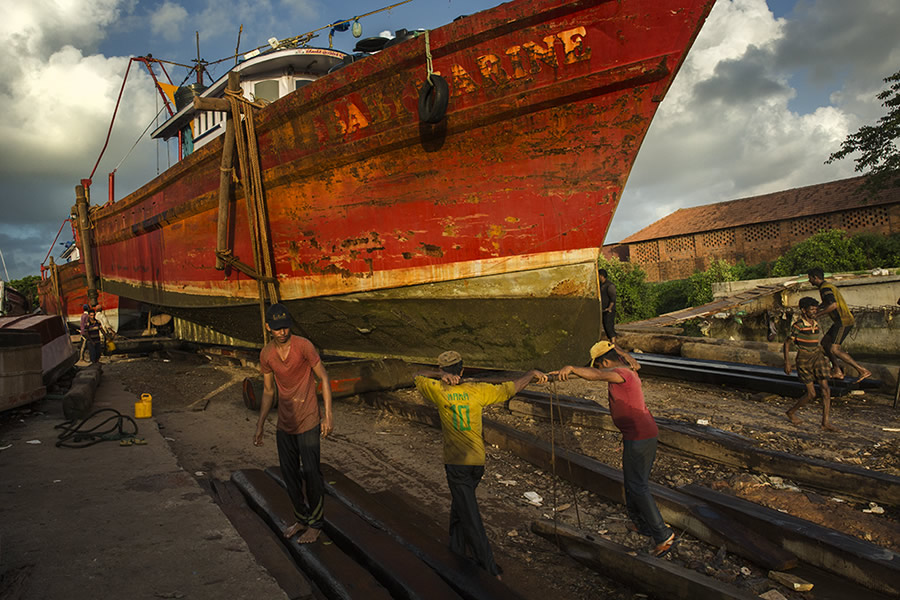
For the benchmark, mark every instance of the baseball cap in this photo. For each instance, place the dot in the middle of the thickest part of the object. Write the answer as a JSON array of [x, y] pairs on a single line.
[[278, 317], [599, 349], [450, 357]]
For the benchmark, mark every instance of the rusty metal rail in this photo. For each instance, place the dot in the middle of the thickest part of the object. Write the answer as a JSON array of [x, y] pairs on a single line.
[[699, 518], [726, 448]]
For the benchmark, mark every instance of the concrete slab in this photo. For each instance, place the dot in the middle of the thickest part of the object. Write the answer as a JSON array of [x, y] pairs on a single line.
[[112, 521]]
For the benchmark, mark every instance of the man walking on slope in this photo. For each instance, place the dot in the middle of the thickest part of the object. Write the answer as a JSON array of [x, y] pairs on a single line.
[[639, 433], [289, 362], [459, 406], [833, 304]]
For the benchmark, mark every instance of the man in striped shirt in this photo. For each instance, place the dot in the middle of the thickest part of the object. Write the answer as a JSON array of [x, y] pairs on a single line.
[[812, 364]]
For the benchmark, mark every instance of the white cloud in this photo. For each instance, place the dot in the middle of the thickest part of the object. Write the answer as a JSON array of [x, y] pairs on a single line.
[[726, 129], [168, 20], [58, 95]]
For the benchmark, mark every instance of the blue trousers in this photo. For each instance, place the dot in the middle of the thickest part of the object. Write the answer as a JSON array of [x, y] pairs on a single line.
[[298, 457], [637, 461]]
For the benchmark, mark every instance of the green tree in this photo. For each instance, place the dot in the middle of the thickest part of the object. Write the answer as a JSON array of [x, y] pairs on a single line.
[[876, 144], [700, 283], [879, 250], [635, 299], [831, 250], [27, 286]]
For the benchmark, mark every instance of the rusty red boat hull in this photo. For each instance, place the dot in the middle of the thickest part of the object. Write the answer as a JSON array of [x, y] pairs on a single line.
[[65, 293], [395, 237]]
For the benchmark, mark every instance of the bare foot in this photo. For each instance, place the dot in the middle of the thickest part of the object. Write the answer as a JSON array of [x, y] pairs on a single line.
[[829, 427], [793, 418], [837, 374], [294, 530], [309, 536], [863, 374]]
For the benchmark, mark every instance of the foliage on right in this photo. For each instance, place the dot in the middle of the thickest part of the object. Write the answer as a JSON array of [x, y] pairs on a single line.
[[877, 144]]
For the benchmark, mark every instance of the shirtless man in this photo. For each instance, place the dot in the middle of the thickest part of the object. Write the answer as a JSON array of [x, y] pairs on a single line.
[[289, 363], [834, 306]]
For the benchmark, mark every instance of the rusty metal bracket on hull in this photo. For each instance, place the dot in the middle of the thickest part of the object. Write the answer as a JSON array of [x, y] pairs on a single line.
[[243, 267]]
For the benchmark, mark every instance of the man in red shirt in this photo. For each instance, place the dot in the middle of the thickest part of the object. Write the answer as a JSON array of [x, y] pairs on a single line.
[[639, 433], [289, 363]]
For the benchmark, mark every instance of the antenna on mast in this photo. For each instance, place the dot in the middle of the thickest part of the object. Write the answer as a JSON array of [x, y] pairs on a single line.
[[200, 66], [238, 45]]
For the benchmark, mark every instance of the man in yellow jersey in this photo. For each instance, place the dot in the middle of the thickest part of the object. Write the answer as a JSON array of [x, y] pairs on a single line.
[[459, 405], [833, 305]]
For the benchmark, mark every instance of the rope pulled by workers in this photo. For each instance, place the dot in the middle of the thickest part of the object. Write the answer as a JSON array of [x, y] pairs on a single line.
[[92, 430]]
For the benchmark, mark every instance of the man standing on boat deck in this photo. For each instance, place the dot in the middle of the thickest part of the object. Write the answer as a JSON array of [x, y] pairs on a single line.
[[459, 406], [289, 362], [608, 305], [639, 438], [833, 304]]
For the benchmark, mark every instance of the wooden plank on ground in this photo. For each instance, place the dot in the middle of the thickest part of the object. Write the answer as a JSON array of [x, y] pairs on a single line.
[[726, 448], [335, 573], [869, 565], [265, 544], [659, 578], [398, 569]]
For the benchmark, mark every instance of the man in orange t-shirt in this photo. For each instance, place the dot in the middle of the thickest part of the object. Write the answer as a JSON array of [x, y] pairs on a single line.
[[289, 363]]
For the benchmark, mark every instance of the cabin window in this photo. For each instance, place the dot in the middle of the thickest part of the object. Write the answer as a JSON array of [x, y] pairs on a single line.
[[266, 90], [299, 83]]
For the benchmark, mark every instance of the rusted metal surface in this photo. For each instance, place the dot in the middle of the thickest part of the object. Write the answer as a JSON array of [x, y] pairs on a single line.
[[405, 527], [550, 98], [867, 564], [398, 569], [726, 448], [335, 573], [659, 578]]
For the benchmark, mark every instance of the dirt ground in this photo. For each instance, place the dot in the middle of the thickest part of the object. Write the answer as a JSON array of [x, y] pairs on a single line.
[[199, 408]]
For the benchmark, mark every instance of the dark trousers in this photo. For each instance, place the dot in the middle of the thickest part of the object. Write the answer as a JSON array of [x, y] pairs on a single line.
[[94, 350], [637, 461], [298, 457], [609, 324], [466, 527]]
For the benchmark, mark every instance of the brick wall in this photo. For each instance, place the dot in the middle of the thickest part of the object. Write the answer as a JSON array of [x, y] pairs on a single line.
[[678, 257]]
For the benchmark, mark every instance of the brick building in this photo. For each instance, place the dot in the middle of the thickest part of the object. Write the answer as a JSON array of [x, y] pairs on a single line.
[[756, 229]]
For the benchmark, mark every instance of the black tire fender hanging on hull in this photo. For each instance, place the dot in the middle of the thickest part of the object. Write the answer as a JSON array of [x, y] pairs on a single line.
[[433, 99]]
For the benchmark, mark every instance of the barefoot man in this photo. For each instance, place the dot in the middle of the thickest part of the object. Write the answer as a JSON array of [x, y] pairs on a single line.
[[289, 362], [812, 364], [834, 306]]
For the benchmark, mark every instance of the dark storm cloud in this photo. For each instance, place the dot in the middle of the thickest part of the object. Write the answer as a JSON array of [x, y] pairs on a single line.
[[746, 80], [833, 37]]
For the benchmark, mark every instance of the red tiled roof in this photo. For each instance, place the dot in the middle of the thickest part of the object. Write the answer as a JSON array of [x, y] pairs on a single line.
[[789, 204]]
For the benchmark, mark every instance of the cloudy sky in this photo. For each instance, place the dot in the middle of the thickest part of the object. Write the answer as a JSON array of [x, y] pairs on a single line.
[[769, 90]]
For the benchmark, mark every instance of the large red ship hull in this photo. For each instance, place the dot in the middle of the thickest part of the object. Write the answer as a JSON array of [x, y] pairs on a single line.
[[395, 237]]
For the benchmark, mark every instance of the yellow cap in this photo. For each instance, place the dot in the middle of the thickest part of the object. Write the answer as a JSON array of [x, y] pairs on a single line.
[[599, 349]]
